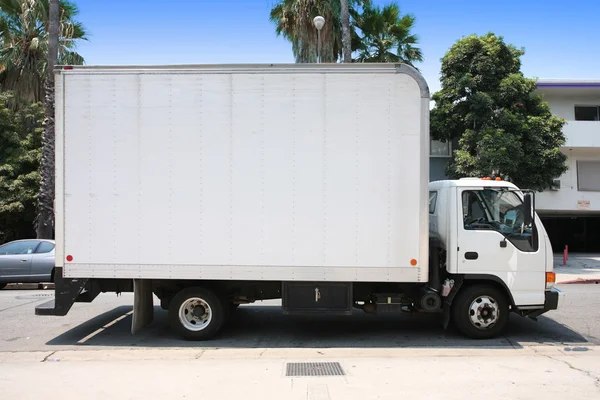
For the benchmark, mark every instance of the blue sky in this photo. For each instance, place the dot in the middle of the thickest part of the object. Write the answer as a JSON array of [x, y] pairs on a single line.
[[561, 39]]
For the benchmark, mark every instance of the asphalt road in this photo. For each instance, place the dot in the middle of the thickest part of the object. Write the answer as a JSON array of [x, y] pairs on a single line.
[[105, 324]]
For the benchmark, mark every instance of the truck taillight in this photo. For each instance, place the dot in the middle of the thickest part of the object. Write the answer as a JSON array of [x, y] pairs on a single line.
[[550, 279]]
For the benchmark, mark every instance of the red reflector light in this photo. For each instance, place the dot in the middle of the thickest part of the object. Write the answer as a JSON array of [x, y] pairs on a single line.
[[69, 258], [68, 67]]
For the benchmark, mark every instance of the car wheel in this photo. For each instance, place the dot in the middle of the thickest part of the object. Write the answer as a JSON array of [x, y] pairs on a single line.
[[197, 313], [480, 311], [3, 285]]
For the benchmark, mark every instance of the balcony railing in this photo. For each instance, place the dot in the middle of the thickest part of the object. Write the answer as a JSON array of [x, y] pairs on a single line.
[[582, 133]]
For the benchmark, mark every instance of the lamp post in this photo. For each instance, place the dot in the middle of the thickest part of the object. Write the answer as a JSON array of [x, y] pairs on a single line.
[[319, 22]]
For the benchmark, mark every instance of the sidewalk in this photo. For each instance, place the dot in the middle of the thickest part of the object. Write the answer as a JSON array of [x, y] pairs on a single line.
[[580, 268], [528, 373]]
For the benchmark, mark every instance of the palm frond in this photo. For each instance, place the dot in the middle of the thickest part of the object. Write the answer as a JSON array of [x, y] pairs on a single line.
[[384, 35], [24, 44]]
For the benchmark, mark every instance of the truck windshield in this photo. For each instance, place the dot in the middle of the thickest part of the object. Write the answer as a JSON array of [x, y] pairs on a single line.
[[501, 211]]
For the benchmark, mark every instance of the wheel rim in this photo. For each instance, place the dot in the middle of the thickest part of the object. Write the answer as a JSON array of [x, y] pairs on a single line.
[[484, 312], [195, 314]]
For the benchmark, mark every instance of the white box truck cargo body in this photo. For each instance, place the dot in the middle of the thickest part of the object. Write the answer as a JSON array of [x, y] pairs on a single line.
[[214, 186], [276, 173]]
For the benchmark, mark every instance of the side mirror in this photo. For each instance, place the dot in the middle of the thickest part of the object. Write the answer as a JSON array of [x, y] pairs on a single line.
[[527, 210]]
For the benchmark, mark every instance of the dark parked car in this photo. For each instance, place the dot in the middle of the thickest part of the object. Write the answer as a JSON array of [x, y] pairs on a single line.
[[27, 261]]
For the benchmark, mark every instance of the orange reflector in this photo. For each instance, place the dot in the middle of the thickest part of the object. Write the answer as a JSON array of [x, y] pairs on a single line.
[[550, 277], [498, 178], [413, 262]]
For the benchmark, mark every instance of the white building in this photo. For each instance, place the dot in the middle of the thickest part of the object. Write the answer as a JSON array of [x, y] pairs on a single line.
[[571, 211]]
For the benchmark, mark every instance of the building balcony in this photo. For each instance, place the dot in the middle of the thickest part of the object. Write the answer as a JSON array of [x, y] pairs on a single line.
[[582, 133]]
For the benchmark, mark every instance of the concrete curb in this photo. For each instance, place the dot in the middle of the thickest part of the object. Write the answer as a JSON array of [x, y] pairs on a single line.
[[580, 281], [314, 354], [29, 286]]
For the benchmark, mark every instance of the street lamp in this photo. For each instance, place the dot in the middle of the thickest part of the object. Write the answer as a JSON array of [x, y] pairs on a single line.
[[319, 22]]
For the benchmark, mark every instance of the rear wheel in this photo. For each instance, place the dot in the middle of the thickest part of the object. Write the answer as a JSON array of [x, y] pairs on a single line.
[[480, 311], [197, 313]]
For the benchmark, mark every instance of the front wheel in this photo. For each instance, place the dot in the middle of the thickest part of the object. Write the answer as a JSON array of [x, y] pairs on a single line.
[[197, 313], [480, 311]]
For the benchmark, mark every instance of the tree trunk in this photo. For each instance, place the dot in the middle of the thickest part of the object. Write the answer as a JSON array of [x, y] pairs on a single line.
[[346, 40], [45, 220]]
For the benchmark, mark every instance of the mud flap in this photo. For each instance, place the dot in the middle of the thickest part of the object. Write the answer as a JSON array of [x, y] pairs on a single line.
[[448, 302], [143, 304], [446, 317]]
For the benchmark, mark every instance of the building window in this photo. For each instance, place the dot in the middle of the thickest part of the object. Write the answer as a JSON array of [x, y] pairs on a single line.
[[438, 148], [588, 176], [587, 113]]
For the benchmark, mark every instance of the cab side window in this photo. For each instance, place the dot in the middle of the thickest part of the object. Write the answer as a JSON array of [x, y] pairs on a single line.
[[432, 201], [501, 211]]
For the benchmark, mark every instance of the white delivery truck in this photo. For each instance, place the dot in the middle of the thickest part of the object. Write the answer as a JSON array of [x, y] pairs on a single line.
[[214, 186]]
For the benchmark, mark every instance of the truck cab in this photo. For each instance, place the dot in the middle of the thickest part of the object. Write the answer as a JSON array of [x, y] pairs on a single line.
[[489, 235]]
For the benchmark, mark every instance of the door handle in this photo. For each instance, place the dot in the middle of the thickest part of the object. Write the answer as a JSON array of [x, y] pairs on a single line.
[[24, 260], [471, 255]]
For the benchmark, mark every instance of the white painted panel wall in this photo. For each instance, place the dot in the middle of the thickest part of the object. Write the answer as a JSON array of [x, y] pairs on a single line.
[[568, 198], [582, 143], [577, 133], [228, 175], [582, 134]]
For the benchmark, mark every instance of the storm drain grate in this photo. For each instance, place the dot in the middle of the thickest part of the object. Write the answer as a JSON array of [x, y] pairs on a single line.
[[314, 369]]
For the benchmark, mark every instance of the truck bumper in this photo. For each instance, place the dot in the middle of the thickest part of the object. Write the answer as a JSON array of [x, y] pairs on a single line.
[[553, 300]]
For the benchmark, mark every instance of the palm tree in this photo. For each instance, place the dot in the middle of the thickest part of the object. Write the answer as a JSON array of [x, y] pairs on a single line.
[[293, 20], [45, 218], [24, 26], [346, 37], [384, 35]]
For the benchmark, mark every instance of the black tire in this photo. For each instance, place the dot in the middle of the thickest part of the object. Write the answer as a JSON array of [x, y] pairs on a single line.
[[3, 285], [217, 310], [462, 313]]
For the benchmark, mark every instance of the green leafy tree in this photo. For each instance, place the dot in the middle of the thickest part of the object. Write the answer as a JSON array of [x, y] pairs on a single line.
[[20, 152], [504, 129], [24, 26], [385, 35], [293, 20]]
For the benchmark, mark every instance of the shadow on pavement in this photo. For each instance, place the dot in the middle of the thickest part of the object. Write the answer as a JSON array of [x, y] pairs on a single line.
[[260, 326]]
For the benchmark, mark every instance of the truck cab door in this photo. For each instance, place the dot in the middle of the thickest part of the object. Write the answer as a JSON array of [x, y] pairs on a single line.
[[493, 242]]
